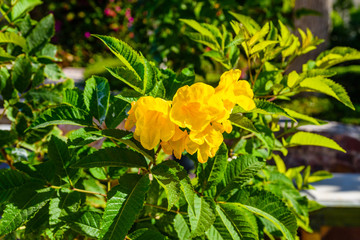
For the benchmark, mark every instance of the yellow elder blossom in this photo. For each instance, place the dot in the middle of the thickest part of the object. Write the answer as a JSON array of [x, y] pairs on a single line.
[[234, 91], [151, 117], [195, 107], [176, 145], [206, 143]]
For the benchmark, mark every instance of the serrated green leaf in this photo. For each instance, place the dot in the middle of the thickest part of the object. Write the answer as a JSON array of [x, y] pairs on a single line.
[[4, 56], [130, 58], [87, 223], [129, 95], [7, 137], [335, 56], [25, 202], [304, 117], [10, 180], [259, 35], [235, 223], [261, 46], [181, 227], [214, 169], [319, 176], [42, 94], [116, 113], [97, 96], [112, 157], [243, 122], [125, 137], [202, 216], [266, 107], [21, 74], [38, 77], [166, 174], [313, 139], [11, 37], [62, 114], [329, 87], [146, 234], [41, 34], [83, 136], [60, 156], [21, 7], [269, 206], [205, 36], [53, 72], [251, 26], [239, 171], [127, 76], [124, 203], [74, 97]]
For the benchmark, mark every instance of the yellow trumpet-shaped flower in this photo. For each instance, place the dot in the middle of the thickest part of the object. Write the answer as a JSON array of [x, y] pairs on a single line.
[[205, 143], [176, 145], [151, 117], [234, 91], [195, 106]]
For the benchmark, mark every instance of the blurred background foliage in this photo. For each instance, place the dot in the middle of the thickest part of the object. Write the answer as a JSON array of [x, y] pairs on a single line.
[[153, 27]]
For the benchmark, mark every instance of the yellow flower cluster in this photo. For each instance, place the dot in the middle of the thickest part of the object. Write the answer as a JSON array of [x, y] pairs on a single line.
[[194, 121]]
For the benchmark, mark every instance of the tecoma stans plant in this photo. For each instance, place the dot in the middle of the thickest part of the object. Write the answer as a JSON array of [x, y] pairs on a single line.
[[133, 185]]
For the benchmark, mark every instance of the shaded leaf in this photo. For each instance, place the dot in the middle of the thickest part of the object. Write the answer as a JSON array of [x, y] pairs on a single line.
[[124, 203], [21, 74], [146, 234], [97, 96], [87, 223], [112, 157], [41, 34], [10, 180], [202, 216]]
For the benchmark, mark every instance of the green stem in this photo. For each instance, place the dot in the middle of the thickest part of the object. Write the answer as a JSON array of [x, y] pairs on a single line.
[[80, 190]]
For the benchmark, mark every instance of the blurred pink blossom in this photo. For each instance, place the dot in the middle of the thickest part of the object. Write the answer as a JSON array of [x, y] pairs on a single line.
[[109, 12], [118, 9], [131, 19], [87, 34], [128, 13]]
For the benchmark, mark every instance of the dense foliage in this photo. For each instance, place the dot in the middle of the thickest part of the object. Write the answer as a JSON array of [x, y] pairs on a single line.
[[103, 181]]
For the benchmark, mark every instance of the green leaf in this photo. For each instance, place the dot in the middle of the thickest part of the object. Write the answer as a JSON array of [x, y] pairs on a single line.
[[83, 136], [41, 34], [43, 94], [7, 137], [266, 107], [319, 176], [53, 72], [146, 234], [11, 37], [74, 97], [269, 206], [261, 46], [235, 223], [173, 82], [87, 223], [129, 95], [239, 171], [202, 216], [116, 113], [10, 180], [328, 87], [26, 201], [242, 122], [21, 73], [127, 76], [130, 58], [205, 36], [181, 227], [38, 77], [112, 157], [313, 139], [4, 56], [62, 114], [251, 26], [123, 137], [214, 169], [259, 35], [304, 117], [166, 173], [22, 7], [59, 154], [97, 96], [335, 56], [124, 203]]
